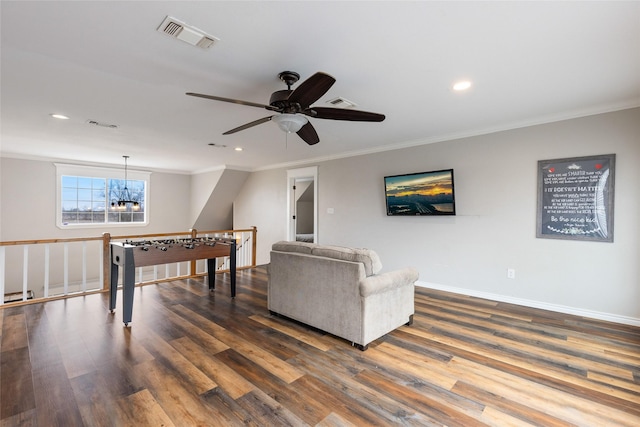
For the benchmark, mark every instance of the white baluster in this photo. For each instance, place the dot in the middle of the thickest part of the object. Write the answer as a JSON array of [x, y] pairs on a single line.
[[25, 271], [46, 270], [84, 266], [2, 252], [100, 267], [66, 268]]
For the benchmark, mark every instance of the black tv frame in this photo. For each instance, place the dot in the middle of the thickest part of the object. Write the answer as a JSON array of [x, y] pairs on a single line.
[[429, 205]]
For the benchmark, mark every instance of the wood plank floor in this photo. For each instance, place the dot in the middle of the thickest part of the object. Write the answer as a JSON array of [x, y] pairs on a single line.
[[191, 358]]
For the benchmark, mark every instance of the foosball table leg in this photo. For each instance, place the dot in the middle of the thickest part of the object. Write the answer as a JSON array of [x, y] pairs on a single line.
[[113, 288], [128, 287], [211, 273], [232, 269]]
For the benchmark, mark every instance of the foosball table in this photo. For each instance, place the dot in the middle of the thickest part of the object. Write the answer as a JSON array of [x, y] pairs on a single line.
[[132, 254]]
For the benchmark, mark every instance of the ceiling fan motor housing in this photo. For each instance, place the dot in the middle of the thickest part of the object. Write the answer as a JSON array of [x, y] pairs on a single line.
[[279, 99]]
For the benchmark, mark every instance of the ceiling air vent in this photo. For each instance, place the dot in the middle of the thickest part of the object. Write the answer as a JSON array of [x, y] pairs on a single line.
[[341, 102], [181, 31], [101, 124]]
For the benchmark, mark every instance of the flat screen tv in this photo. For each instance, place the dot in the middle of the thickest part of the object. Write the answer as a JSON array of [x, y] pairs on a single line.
[[420, 194]]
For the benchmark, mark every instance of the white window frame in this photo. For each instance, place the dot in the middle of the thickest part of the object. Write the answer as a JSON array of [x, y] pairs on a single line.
[[100, 172]]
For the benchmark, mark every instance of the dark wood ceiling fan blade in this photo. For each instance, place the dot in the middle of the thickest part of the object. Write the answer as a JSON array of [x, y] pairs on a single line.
[[233, 101], [343, 114], [310, 90], [308, 134], [248, 125]]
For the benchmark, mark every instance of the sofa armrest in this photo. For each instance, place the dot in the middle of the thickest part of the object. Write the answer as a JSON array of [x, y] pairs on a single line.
[[379, 283]]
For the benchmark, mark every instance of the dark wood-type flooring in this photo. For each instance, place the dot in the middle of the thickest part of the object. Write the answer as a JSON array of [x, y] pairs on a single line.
[[194, 358]]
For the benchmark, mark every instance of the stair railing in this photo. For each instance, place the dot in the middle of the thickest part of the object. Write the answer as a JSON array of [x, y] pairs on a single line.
[[44, 269]]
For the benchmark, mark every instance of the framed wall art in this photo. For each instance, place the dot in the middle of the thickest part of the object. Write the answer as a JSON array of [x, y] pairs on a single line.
[[575, 198]]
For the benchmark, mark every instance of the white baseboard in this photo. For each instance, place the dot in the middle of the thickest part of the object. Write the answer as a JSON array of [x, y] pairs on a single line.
[[609, 317]]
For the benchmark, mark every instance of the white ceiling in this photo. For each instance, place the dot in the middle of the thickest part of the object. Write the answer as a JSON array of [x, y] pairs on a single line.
[[530, 62]]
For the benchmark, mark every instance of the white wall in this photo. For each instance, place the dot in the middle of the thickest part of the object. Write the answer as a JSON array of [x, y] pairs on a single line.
[[28, 211], [202, 185], [262, 202], [217, 212], [495, 226], [28, 203]]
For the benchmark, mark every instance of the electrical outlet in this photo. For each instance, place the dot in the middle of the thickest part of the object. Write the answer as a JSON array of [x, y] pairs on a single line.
[[511, 273]]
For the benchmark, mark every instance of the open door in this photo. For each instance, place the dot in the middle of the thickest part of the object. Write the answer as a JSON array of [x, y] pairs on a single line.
[[302, 196]]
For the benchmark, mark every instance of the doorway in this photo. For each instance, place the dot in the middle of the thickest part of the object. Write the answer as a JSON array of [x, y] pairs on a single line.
[[302, 198]]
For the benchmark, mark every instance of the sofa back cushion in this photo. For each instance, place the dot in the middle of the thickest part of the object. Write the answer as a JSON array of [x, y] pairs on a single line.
[[297, 247], [370, 259]]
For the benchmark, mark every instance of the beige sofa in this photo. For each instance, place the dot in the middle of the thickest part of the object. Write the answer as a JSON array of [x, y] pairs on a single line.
[[339, 290]]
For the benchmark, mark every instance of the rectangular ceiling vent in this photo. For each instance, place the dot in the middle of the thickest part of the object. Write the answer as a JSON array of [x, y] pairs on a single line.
[[341, 102], [101, 124], [188, 34]]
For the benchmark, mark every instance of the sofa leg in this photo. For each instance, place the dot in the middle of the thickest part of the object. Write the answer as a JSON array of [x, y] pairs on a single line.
[[273, 313], [410, 322], [360, 346]]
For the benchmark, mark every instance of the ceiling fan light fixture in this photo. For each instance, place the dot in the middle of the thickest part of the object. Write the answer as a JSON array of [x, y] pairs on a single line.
[[290, 123]]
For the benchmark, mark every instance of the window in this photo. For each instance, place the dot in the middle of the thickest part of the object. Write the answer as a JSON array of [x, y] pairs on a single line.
[[91, 196], [83, 200], [126, 193]]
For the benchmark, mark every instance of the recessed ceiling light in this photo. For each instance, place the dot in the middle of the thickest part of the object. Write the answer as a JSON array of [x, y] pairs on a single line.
[[59, 116], [461, 85], [238, 148]]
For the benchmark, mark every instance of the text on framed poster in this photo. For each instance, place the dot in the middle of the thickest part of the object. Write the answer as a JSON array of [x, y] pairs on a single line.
[[575, 198]]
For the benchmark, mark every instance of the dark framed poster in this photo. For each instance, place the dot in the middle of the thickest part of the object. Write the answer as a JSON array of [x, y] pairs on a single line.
[[575, 198]]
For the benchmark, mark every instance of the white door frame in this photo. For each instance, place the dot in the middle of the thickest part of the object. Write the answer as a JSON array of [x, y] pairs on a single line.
[[292, 175]]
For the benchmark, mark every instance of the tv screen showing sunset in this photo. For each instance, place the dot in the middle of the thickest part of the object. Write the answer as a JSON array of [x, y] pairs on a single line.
[[425, 193]]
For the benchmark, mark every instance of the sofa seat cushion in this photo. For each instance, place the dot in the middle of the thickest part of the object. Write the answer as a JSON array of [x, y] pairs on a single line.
[[368, 258]]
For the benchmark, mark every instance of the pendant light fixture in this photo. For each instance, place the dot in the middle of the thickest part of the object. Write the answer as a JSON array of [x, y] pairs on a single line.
[[124, 198]]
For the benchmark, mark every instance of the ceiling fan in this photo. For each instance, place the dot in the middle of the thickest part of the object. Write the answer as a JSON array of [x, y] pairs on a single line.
[[294, 105]]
